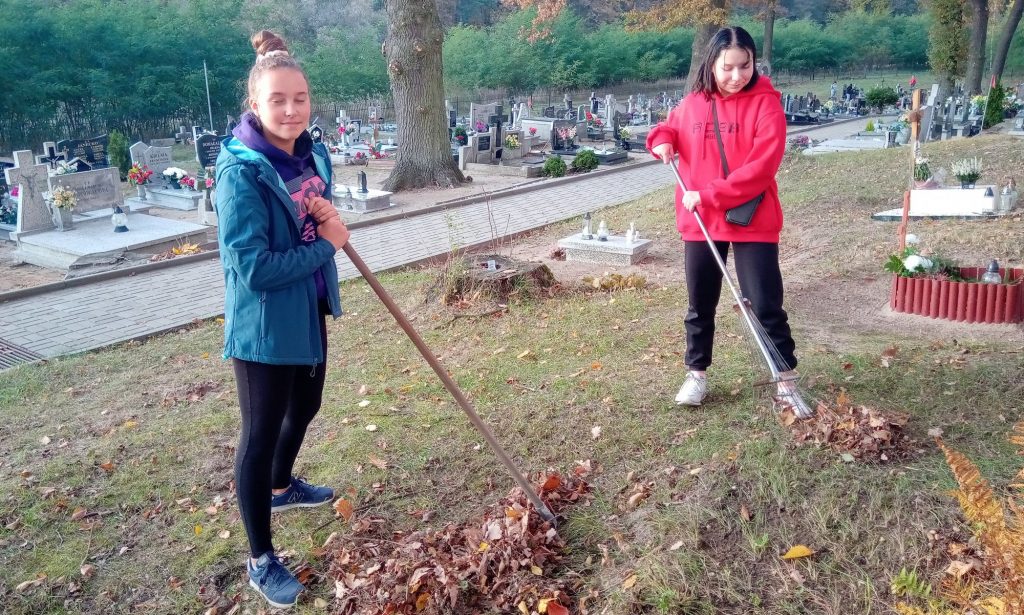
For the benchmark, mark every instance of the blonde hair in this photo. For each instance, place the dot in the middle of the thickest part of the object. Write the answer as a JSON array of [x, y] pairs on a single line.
[[271, 54]]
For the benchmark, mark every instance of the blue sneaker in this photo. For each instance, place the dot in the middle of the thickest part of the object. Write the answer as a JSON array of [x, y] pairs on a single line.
[[272, 580], [301, 494]]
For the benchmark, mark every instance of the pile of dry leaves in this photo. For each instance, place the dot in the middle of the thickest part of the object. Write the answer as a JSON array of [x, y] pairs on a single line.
[[856, 432], [501, 563]]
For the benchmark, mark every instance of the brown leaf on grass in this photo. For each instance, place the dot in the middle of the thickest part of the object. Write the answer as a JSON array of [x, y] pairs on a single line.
[[87, 570], [552, 483], [304, 573], [745, 513], [858, 431], [79, 513], [377, 462], [344, 509], [107, 466], [629, 582], [27, 585], [557, 609]]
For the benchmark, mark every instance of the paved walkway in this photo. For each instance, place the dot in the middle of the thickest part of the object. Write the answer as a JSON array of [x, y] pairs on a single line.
[[105, 312], [95, 315]]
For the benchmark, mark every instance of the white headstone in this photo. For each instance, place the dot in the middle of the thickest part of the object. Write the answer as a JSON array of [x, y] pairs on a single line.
[[156, 158], [33, 215], [609, 109]]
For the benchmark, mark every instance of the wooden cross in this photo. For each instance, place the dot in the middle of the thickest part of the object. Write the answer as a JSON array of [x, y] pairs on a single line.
[[915, 149], [32, 181]]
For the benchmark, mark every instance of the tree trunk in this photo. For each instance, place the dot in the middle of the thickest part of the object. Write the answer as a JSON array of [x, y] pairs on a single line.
[[413, 53], [976, 48], [769, 35], [701, 37], [1006, 37]]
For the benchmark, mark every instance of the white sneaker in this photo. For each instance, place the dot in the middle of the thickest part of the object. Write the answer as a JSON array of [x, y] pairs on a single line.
[[693, 391]]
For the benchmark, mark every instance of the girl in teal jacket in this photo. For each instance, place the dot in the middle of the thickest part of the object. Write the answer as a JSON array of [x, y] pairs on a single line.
[[278, 234]]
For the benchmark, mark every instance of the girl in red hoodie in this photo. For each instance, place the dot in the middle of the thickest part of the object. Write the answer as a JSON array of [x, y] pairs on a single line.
[[752, 130]]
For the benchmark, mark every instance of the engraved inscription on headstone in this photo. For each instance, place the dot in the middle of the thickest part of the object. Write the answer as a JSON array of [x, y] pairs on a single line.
[[207, 150]]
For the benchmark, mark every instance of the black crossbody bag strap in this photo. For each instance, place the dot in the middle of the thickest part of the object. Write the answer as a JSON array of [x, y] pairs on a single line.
[[718, 137]]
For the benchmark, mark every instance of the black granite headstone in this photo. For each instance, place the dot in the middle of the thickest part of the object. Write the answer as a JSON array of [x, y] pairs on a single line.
[[316, 133], [483, 144], [362, 182], [93, 151], [207, 150]]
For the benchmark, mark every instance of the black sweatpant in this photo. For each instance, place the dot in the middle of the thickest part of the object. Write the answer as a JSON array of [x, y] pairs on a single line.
[[277, 402], [757, 267]]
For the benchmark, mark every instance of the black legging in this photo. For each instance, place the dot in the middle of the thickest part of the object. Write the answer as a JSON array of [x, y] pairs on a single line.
[[277, 402], [757, 267]]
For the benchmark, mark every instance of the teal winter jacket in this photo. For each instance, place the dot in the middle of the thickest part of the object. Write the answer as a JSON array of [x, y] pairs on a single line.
[[271, 310]]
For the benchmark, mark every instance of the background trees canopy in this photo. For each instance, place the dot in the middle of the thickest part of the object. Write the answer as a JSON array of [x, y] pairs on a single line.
[[83, 67]]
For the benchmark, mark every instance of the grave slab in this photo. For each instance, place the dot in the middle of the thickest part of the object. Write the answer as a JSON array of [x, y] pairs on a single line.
[[946, 204], [168, 198], [615, 251], [60, 250], [349, 199]]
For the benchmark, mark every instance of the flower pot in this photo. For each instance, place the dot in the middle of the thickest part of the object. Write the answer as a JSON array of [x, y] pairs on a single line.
[[61, 218], [173, 184], [141, 189], [972, 302]]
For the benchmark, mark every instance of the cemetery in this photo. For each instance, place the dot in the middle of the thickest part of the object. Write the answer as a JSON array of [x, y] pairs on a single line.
[[508, 229]]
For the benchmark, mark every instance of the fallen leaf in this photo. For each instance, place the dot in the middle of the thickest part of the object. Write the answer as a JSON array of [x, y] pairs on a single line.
[[847, 457], [676, 546], [364, 403], [557, 609], [344, 508], [797, 552], [745, 512], [524, 354], [551, 483], [523, 608], [107, 466], [595, 432], [44, 440], [225, 534], [198, 529], [25, 585], [629, 582], [363, 390], [378, 462], [320, 603], [87, 570], [958, 568], [79, 513], [483, 547], [596, 365], [131, 424], [636, 498], [537, 570], [371, 427], [935, 432]]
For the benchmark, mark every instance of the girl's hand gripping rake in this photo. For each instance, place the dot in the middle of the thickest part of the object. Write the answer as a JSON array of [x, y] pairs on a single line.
[[788, 394], [449, 384]]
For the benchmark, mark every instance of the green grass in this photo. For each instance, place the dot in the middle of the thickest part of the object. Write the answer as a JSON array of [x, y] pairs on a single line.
[[594, 361]]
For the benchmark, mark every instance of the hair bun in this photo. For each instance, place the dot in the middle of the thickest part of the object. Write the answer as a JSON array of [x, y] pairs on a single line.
[[265, 42]]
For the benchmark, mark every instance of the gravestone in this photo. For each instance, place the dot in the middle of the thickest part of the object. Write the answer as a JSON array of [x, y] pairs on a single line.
[[315, 132], [549, 111], [96, 191], [93, 151], [207, 150], [609, 109], [545, 128], [33, 215], [158, 159], [483, 143]]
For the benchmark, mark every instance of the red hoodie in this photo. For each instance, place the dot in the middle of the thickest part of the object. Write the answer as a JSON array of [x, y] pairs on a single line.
[[753, 128]]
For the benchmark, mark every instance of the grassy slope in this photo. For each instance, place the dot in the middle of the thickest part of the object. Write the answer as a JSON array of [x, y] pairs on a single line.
[[864, 521]]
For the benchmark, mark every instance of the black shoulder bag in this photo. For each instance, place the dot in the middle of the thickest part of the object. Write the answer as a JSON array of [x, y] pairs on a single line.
[[740, 215]]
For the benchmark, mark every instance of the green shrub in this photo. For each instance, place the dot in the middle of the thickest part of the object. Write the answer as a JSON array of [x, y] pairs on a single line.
[[870, 127], [880, 97], [117, 152], [585, 161], [994, 108], [554, 166]]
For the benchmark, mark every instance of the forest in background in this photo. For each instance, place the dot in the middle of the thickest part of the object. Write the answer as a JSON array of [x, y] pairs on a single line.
[[84, 67]]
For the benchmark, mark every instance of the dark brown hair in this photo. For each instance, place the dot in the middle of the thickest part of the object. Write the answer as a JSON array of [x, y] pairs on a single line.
[[271, 54], [731, 37]]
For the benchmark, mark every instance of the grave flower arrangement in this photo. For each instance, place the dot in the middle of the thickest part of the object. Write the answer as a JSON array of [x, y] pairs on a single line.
[[799, 143], [210, 180], [480, 126], [533, 130], [187, 182], [64, 168], [967, 170], [8, 211], [512, 142], [174, 174], [567, 135], [913, 262], [62, 198], [139, 175], [624, 134], [461, 137]]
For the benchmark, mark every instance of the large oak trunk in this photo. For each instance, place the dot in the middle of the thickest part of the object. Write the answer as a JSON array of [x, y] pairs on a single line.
[[1006, 37], [700, 42], [413, 52], [976, 50]]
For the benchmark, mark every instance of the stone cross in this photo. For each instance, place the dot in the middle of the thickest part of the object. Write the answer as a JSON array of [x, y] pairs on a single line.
[[33, 215]]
